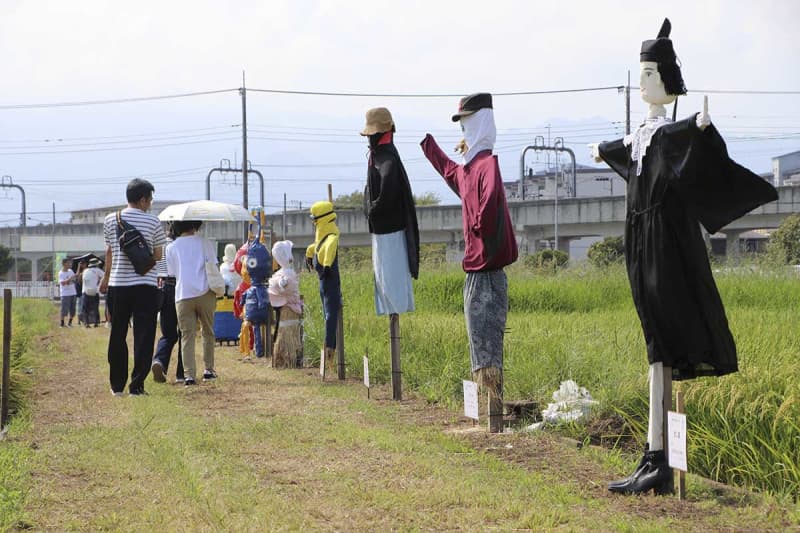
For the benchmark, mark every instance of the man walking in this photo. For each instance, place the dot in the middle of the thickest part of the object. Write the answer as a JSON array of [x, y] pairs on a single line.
[[132, 295]]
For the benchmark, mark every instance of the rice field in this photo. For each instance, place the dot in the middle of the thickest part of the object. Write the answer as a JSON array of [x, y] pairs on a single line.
[[580, 324]]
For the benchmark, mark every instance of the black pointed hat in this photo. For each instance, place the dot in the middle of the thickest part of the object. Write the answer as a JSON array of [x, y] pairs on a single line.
[[661, 51]]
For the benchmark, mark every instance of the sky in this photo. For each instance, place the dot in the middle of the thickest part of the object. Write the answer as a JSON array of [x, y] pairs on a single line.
[[81, 156]]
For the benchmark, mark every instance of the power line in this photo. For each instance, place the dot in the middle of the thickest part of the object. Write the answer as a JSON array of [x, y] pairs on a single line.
[[114, 100], [732, 91], [55, 139], [163, 145], [431, 95]]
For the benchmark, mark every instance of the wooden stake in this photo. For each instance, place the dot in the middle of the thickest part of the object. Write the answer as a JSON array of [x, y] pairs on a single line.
[[340, 343], [6, 357], [394, 340], [495, 406], [681, 473]]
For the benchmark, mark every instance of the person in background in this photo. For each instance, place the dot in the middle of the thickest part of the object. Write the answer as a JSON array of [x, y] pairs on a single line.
[[79, 312], [168, 321], [194, 300], [66, 287], [131, 295], [92, 276]]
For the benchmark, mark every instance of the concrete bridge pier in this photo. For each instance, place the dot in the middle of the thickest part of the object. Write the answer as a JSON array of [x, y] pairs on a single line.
[[733, 250]]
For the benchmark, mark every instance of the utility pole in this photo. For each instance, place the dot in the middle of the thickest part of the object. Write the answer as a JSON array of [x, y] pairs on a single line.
[[628, 105], [284, 216], [243, 92]]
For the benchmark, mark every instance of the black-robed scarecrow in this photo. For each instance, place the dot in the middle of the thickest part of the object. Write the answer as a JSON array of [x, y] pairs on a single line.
[[678, 176], [392, 219]]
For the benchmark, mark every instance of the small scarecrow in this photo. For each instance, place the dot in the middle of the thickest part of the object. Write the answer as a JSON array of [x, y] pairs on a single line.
[[255, 300], [324, 258]]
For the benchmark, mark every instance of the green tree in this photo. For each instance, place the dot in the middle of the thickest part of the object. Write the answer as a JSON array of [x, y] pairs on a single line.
[[784, 243], [6, 261], [354, 200], [609, 251], [427, 198]]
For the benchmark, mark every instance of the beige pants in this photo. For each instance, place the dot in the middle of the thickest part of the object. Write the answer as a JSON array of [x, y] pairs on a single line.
[[191, 311]]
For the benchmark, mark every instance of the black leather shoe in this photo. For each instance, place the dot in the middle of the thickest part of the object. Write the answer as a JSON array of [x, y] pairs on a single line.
[[652, 473]]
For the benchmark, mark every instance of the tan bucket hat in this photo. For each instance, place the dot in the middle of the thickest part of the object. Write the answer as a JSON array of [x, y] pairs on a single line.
[[379, 119]]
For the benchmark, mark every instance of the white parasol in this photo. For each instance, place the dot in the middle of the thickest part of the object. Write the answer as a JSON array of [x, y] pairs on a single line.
[[205, 210]]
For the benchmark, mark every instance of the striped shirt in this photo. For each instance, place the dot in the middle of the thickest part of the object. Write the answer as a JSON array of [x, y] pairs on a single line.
[[161, 266], [122, 272]]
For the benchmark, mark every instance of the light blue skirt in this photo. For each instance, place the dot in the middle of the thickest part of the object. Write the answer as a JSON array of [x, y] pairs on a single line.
[[393, 291]]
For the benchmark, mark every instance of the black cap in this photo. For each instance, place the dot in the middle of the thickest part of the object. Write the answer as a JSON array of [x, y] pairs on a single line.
[[472, 103], [659, 49]]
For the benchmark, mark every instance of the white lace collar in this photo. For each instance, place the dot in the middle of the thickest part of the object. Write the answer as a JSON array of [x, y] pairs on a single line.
[[639, 140]]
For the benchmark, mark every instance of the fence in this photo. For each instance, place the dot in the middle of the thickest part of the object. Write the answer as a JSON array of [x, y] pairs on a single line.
[[31, 289]]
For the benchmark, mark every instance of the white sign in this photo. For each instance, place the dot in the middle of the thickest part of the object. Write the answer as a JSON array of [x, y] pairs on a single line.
[[471, 399], [676, 427], [366, 371]]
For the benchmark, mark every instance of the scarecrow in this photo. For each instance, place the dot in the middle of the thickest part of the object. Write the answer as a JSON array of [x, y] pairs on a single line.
[[284, 296], [255, 299], [228, 269], [678, 176], [392, 219], [489, 242], [324, 258], [240, 267]]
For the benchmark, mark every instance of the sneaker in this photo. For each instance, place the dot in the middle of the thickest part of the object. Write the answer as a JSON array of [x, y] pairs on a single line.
[[188, 382], [179, 380], [158, 372], [209, 375], [62, 325], [137, 392], [117, 393]]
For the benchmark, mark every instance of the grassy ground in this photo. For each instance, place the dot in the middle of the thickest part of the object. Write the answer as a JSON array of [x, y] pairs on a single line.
[[277, 450], [744, 428]]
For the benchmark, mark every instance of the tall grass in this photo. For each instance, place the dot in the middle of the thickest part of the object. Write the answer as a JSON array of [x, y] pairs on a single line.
[[581, 324], [30, 320]]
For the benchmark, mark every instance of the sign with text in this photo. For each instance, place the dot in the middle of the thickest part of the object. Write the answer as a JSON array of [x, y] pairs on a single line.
[[471, 399], [366, 371], [676, 427]]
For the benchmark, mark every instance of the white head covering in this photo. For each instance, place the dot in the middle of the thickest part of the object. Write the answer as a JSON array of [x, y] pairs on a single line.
[[282, 252], [480, 132], [230, 253]]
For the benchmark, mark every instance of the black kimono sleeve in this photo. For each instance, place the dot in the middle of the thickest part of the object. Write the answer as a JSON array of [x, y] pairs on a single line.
[[715, 188], [617, 156]]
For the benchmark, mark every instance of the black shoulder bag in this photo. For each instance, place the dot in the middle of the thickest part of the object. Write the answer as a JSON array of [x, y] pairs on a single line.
[[132, 243]]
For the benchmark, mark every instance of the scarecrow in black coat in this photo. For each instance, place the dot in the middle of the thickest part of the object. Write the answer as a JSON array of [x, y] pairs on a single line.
[[678, 176], [392, 219]]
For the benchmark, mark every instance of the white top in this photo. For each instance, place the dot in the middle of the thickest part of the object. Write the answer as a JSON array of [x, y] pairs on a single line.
[[122, 272], [67, 289], [91, 280], [186, 261]]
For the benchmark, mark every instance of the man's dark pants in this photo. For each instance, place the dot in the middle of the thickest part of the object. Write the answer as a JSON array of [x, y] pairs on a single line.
[[139, 302], [169, 330]]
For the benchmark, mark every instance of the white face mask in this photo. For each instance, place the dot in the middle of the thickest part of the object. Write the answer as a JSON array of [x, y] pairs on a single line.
[[651, 86], [480, 132]]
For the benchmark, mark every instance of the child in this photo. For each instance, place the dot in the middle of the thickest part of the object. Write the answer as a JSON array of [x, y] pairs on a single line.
[[68, 292]]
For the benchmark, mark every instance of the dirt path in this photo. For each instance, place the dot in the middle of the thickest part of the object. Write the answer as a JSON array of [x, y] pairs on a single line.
[[263, 449]]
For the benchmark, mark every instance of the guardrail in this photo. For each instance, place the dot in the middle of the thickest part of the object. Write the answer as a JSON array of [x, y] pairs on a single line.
[[31, 289]]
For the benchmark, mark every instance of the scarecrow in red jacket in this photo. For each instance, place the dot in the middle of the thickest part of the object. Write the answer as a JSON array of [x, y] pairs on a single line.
[[489, 242]]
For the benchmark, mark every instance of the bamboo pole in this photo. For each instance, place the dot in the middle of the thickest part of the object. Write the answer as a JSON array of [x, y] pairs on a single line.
[[494, 398]]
